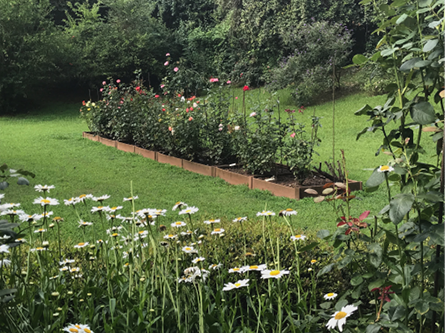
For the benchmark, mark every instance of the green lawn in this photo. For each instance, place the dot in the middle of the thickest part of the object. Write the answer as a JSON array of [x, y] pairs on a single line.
[[49, 143]]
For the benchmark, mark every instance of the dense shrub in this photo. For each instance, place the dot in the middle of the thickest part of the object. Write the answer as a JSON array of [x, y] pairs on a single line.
[[317, 48]]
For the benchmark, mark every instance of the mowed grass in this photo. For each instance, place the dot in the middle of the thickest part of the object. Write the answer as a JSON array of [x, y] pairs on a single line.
[[49, 143]]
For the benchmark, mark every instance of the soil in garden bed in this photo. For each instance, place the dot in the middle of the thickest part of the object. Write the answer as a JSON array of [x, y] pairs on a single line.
[[286, 178]]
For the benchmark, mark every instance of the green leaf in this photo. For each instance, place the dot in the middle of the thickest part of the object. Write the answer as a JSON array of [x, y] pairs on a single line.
[[356, 281], [112, 304], [424, 3], [22, 181], [409, 64], [423, 113], [375, 179], [401, 19], [400, 205], [323, 233], [3, 185], [422, 63], [325, 305], [388, 52], [325, 270], [4, 167], [309, 247], [397, 313], [430, 45], [375, 254], [375, 328], [340, 304], [7, 292], [376, 284], [422, 307], [363, 110], [399, 170], [359, 59]]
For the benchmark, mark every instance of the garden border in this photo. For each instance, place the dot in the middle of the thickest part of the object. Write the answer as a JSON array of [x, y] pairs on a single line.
[[228, 176]]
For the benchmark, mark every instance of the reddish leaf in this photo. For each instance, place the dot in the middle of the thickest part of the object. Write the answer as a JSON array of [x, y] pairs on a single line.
[[364, 215]]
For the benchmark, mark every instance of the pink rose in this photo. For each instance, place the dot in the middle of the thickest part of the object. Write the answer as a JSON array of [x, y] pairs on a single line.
[[293, 135], [253, 114], [236, 97], [175, 69], [104, 83], [228, 82], [167, 54], [190, 118], [166, 63], [162, 86], [102, 89]]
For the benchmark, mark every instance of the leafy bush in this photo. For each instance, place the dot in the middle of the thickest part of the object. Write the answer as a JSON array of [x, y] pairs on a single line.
[[317, 48]]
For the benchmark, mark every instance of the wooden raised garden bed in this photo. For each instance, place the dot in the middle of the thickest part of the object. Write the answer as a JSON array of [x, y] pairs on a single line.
[[292, 191]]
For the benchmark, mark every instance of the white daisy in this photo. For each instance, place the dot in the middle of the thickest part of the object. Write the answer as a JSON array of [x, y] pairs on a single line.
[[178, 224], [39, 231], [197, 260], [186, 233], [189, 249], [46, 201], [114, 209], [130, 198], [189, 210], [64, 269], [5, 237], [80, 245], [83, 197], [100, 209], [267, 274], [287, 212], [238, 284], [254, 268], [66, 261], [235, 270], [330, 296], [39, 216], [101, 198], [385, 168], [20, 240], [78, 328], [84, 224], [178, 205], [71, 201], [215, 266], [12, 212], [298, 237], [39, 249], [5, 262], [340, 317], [170, 236], [240, 219], [218, 231], [266, 213], [212, 221], [43, 188]]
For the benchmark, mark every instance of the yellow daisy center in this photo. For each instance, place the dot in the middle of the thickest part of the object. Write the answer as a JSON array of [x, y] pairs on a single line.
[[330, 294], [236, 269], [237, 284], [140, 232], [178, 223], [340, 315], [114, 235], [113, 208], [313, 261], [45, 201], [39, 248], [73, 330], [178, 203], [170, 236], [41, 230], [100, 207], [78, 326], [188, 249], [82, 196], [298, 236], [385, 168], [217, 230], [188, 211], [87, 330], [81, 244], [274, 273], [289, 210], [254, 267]]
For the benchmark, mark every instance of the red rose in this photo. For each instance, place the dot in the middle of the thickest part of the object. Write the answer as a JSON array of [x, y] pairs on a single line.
[[156, 96], [245, 88]]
